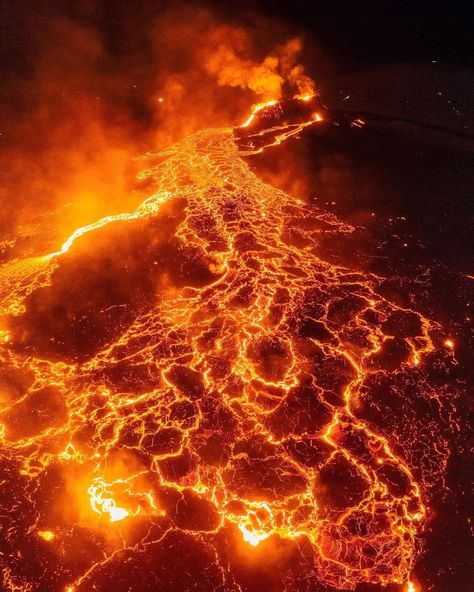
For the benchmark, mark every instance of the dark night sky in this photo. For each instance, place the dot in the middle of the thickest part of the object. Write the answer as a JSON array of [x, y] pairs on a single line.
[[385, 31], [360, 33]]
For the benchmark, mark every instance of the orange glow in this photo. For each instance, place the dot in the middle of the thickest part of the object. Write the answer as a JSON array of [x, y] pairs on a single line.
[[255, 109], [305, 97], [46, 535], [102, 503], [118, 492], [253, 538], [195, 364], [104, 496]]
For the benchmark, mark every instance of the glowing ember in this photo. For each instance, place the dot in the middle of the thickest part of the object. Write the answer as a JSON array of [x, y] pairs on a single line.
[[105, 505], [46, 535], [253, 538]]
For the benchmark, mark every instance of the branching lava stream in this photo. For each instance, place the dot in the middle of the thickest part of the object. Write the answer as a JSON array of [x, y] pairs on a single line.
[[191, 383]]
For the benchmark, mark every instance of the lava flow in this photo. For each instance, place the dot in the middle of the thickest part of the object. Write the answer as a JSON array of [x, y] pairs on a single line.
[[189, 391]]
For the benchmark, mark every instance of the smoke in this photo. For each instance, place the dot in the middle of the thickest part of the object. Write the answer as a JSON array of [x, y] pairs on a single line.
[[87, 89], [65, 143], [227, 62]]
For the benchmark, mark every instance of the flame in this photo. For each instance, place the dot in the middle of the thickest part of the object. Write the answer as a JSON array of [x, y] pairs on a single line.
[[255, 109], [252, 537], [46, 535], [102, 502], [305, 97]]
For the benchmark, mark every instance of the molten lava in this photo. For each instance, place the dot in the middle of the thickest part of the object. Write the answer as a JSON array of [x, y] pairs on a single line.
[[193, 378]]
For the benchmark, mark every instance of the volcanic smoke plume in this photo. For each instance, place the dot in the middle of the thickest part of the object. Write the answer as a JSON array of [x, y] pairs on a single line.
[[195, 398]]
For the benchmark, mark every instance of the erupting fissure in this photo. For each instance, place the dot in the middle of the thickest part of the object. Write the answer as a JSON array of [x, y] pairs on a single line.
[[195, 368]]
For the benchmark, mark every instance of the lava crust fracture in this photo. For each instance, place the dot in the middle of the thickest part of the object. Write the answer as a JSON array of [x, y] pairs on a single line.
[[189, 390]]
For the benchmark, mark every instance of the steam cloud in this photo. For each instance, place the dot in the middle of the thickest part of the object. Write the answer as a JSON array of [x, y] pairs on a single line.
[[83, 97]]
